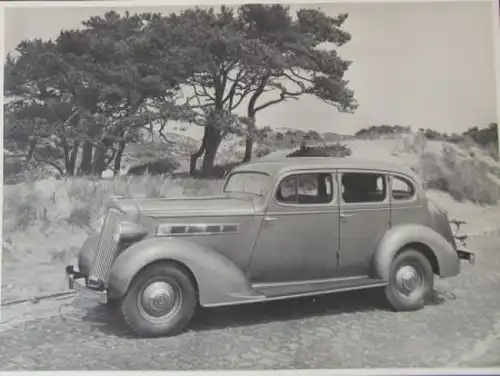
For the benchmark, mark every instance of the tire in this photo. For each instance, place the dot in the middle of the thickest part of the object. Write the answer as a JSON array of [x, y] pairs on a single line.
[[112, 304], [172, 297], [414, 295]]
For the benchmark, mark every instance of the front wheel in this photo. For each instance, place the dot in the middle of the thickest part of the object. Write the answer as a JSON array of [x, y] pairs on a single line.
[[161, 301], [411, 281]]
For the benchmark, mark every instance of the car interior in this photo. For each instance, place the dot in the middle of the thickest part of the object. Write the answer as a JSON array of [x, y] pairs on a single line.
[[306, 189], [363, 187]]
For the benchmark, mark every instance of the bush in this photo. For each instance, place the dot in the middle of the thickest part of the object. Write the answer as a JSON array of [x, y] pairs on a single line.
[[464, 179], [334, 150], [377, 131], [262, 150], [14, 169], [161, 166]]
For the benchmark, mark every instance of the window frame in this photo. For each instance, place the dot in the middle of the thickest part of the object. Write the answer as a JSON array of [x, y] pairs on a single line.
[[248, 172], [385, 176], [407, 180], [334, 186]]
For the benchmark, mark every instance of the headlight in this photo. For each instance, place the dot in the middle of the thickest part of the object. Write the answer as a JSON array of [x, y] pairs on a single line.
[[129, 231], [117, 234]]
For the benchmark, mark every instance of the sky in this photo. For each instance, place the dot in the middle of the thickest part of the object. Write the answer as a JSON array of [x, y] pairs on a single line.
[[427, 65]]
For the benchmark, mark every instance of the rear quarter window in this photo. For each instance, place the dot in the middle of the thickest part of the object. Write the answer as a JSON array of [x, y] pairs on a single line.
[[402, 188]]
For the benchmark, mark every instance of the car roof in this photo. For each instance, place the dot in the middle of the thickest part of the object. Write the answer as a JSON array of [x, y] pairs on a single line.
[[283, 165]]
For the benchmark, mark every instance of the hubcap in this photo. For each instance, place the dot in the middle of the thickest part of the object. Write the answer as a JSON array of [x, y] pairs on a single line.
[[408, 280], [159, 300]]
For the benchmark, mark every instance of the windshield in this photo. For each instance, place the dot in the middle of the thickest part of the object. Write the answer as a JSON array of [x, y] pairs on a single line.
[[254, 183]]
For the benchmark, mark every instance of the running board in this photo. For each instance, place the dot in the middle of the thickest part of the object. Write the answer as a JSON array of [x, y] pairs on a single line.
[[309, 288], [282, 291]]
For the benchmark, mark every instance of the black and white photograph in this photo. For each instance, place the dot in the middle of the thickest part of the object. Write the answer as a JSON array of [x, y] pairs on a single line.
[[251, 186]]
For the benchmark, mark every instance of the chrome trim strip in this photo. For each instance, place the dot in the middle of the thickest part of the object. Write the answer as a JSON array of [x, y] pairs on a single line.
[[312, 281], [168, 214]]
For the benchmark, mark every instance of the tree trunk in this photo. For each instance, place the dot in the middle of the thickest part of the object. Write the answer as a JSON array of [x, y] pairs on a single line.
[[249, 141], [99, 161], [198, 154], [248, 149], [66, 149], [71, 161], [211, 147], [86, 162], [118, 159]]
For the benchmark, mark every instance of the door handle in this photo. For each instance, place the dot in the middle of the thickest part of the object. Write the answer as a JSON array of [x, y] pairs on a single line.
[[343, 215], [269, 219]]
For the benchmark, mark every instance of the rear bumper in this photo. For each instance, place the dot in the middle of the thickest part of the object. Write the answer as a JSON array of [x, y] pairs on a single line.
[[466, 255], [78, 281]]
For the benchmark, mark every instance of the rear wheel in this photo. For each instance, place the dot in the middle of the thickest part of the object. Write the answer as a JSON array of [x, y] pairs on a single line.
[[411, 281], [161, 301]]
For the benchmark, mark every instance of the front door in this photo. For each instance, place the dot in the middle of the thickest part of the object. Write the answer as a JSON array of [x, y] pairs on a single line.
[[364, 218], [299, 235]]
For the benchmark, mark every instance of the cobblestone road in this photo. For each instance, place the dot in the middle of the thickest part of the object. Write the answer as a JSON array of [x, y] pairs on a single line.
[[354, 330]]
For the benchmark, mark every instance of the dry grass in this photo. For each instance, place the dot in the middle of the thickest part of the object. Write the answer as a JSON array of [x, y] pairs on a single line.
[[465, 179]]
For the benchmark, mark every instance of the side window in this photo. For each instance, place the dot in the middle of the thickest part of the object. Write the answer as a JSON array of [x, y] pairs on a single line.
[[402, 189], [314, 188], [360, 187]]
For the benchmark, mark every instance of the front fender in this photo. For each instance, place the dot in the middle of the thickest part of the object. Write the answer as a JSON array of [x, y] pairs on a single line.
[[87, 253], [219, 280], [400, 236]]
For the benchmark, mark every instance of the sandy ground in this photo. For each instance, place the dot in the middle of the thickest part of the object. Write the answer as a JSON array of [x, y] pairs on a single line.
[[459, 327]]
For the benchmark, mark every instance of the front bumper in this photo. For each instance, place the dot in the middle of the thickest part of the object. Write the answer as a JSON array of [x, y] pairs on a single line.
[[466, 255], [74, 283]]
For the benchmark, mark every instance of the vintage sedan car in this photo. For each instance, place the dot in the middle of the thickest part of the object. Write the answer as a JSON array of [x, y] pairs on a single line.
[[279, 229]]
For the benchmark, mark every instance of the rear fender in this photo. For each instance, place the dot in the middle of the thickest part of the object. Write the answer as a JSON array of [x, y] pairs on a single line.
[[400, 236], [218, 279]]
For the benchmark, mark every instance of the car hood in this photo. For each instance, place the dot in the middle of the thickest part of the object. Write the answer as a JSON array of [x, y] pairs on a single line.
[[191, 206]]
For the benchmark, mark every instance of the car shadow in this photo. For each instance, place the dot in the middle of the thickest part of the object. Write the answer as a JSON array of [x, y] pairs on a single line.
[[109, 321]]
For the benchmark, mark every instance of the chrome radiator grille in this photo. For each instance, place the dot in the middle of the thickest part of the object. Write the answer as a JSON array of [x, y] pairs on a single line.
[[107, 248]]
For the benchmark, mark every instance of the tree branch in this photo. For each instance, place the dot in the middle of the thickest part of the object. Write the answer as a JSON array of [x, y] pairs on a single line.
[[232, 91], [46, 161], [284, 95], [258, 92]]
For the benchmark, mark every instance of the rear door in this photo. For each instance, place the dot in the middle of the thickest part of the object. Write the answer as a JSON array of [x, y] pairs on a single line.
[[365, 217]]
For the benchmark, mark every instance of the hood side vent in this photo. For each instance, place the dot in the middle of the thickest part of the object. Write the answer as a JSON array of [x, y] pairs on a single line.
[[177, 230], [166, 229]]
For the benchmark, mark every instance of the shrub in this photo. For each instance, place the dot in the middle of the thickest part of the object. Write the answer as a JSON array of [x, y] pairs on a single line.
[[262, 151], [377, 131], [333, 150], [155, 167], [463, 178], [14, 169]]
